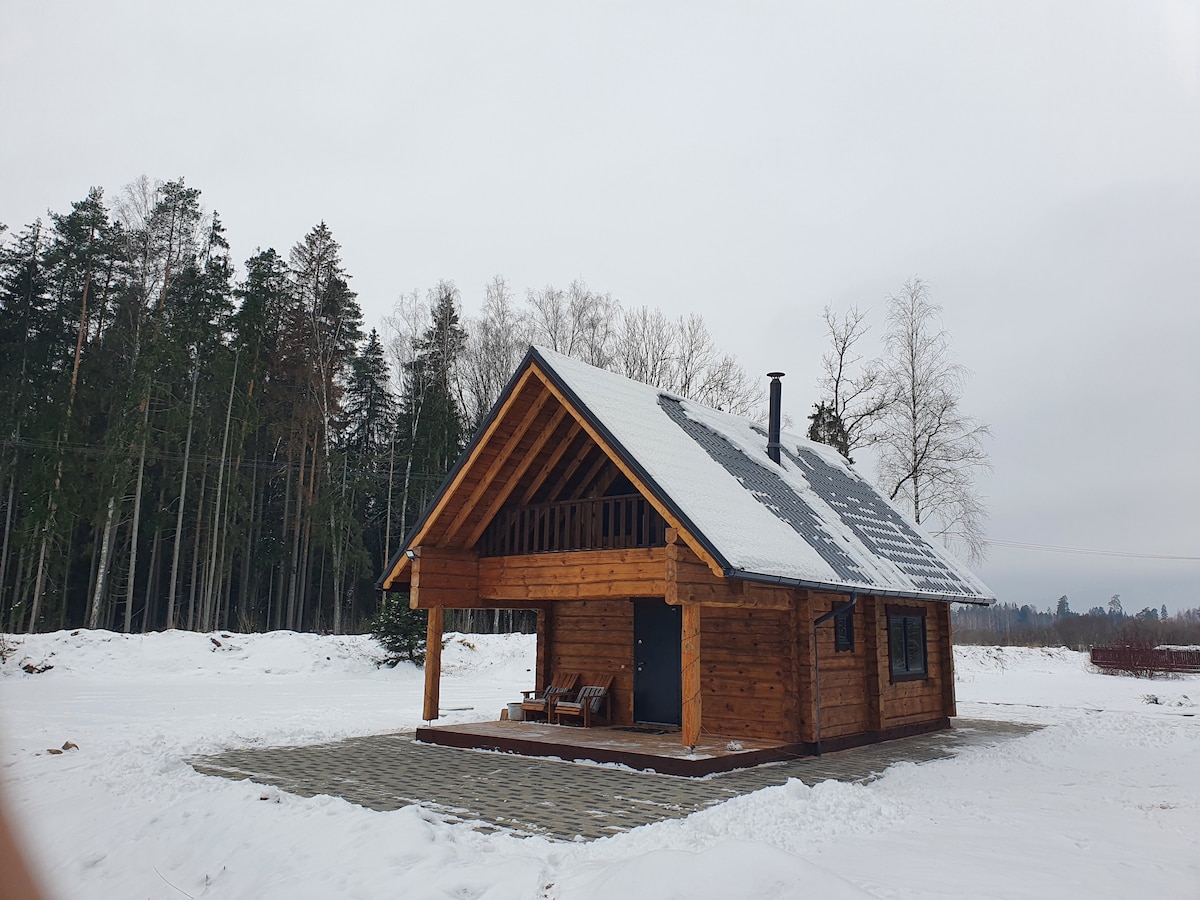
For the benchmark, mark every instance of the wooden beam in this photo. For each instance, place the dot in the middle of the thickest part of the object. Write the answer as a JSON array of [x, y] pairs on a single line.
[[873, 664], [545, 630], [394, 576], [573, 575], [442, 577], [690, 581], [605, 481], [805, 659], [690, 652], [433, 663], [569, 438], [583, 454], [946, 646], [503, 456], [515, 479], [589, 477]]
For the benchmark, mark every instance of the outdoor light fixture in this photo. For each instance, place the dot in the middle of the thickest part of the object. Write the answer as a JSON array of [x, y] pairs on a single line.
[[411, 554]]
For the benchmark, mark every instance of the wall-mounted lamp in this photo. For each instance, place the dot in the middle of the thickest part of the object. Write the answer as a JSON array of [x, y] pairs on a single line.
[[411, 554]]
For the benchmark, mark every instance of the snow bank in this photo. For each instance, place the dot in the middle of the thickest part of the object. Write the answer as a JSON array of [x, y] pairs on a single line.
[[1103, 802]]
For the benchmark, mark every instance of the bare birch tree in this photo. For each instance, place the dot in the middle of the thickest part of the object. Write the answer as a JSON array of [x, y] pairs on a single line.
[[496, 341], [929, 450], [852, 389]]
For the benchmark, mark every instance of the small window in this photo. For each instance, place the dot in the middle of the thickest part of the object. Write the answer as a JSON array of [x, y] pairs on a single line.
[[906, 643], [843, 631]]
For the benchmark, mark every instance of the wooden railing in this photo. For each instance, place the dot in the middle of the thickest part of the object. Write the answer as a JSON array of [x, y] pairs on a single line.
[[605, 523]]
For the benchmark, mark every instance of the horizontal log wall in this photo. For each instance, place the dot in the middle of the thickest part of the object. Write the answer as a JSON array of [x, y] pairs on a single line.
[[926, 700], [444, 578], [576, 575], [845, 707], [747, 673], [595, 637]]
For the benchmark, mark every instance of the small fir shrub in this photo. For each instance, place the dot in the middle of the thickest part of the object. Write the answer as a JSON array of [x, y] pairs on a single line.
[[401, 632]]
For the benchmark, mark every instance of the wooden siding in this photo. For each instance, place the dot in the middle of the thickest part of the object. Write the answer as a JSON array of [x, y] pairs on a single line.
[[578, 575], [929, 699], [844, 694], [746, 673], [460, 580], [594, 637]]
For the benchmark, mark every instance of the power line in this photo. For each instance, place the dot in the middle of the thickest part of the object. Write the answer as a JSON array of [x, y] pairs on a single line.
[[1082, 551]]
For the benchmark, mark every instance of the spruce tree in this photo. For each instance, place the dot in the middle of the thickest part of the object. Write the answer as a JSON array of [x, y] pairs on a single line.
[[431, 419], [827, 428]]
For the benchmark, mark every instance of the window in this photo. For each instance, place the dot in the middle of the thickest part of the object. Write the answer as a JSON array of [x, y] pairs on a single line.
[[843, 631], [906, 642]]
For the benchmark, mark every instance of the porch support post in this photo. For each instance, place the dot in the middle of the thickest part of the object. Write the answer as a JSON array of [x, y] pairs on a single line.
[[545, 627], [433, 662], [691, 673]]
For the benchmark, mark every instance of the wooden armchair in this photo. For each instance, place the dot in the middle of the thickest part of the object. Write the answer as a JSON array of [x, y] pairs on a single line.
[[538, 704], [592, 697]]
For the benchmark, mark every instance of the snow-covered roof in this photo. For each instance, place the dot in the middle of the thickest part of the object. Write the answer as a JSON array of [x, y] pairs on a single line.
[[811, 520]]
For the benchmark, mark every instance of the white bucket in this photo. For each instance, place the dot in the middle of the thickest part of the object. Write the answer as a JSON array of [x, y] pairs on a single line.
[[515, 713]]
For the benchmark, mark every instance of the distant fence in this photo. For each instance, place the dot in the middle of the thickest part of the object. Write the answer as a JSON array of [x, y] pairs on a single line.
[[1145, 660]]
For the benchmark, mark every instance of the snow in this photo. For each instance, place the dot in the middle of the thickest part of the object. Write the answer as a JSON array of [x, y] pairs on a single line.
[[1104, 801], [744, 531]]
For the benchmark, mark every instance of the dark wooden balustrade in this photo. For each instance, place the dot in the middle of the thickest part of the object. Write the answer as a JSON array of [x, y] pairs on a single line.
[[603, 523]]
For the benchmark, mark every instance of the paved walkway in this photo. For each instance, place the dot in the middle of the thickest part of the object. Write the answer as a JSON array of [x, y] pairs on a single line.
[[549, 797]]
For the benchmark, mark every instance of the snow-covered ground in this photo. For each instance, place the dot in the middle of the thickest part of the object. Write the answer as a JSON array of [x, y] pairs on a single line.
[[1103, 802]]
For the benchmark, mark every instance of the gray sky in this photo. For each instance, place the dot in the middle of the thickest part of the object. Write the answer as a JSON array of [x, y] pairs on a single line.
[[1038, 163]]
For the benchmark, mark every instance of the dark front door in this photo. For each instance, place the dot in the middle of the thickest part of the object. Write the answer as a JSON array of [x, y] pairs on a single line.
[[657, 682]]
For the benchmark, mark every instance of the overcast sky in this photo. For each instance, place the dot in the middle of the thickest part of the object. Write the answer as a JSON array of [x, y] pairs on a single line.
[[1038, 163]]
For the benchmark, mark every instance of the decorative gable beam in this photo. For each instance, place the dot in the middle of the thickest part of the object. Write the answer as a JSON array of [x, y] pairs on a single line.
[[401, 563], [513, 480], [555, 458], [635, 478], [584, 453], [468, 507], [581, 490]]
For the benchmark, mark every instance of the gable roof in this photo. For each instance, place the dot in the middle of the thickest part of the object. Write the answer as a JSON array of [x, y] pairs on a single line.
[[810, 521]]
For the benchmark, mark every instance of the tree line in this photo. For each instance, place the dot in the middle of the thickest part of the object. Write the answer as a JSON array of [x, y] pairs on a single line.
[[1009, 624], [187, 445]]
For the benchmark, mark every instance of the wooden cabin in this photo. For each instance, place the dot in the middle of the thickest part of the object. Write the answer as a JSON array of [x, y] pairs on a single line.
[[732, 583]]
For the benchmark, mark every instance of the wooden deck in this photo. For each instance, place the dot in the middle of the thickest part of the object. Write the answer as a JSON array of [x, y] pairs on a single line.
[[662, 753]]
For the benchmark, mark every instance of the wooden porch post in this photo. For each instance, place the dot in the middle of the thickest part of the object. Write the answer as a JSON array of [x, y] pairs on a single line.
[[545, 626], [691, 673], [433, 662]]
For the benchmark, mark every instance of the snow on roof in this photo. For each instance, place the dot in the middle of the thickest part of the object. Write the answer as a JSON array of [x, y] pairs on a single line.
[[811, 520]]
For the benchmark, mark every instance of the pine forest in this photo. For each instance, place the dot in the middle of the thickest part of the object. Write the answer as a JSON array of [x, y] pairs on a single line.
[[186, 442]]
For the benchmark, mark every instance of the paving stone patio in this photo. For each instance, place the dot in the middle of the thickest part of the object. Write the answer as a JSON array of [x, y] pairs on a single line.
[[563, 800]]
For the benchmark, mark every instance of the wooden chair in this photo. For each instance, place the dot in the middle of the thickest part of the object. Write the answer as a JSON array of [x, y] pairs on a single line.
[[592, 697], [541, 703]]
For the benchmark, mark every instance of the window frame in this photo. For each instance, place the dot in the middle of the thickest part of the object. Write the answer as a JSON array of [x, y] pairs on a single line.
[[843, 631], [908, 617]]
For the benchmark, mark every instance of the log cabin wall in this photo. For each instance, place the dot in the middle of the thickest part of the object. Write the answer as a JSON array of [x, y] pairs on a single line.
[[906, 703], [747, 673], [594, 637], [845, 707]]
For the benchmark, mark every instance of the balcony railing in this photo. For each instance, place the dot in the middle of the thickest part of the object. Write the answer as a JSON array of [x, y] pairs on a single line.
[[605, 523]]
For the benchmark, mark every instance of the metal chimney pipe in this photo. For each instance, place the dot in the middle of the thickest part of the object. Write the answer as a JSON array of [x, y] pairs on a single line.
[[773, 425]]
